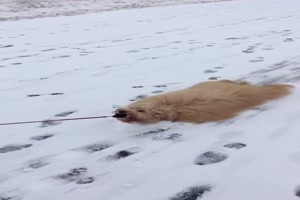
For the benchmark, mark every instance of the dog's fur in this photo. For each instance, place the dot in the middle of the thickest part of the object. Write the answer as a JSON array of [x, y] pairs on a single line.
[[204, 102]]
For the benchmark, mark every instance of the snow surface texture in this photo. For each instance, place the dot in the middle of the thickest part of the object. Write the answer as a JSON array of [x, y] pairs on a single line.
[[91, 64], [26, 9]]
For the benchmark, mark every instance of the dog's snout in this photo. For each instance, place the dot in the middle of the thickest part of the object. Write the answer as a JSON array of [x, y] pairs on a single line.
[[120, 114]]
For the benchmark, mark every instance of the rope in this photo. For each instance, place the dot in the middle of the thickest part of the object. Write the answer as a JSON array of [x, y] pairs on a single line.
[[52, 120]]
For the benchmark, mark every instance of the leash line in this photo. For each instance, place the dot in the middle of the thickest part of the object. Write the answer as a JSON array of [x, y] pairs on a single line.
[[52, 120]]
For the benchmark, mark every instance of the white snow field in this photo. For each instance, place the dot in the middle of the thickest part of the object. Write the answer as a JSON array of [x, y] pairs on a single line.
[[88, 65], [27, 9]]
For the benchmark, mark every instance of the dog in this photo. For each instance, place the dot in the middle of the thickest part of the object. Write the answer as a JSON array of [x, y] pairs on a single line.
[[209, 101]]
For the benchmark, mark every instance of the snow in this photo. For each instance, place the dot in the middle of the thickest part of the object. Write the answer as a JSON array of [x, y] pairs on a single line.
[[87, 65], [28, 9]]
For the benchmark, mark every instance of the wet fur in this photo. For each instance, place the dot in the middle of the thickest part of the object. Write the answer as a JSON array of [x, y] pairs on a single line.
[[204, 102]]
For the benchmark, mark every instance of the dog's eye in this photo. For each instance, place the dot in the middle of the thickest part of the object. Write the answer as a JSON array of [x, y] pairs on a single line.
[[121, 111], [140, 110]]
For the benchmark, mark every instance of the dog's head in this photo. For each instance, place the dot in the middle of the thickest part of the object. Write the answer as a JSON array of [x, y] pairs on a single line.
[[144, 114]]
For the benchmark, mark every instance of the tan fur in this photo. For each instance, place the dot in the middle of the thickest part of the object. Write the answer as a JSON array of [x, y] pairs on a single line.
[[204, 102]]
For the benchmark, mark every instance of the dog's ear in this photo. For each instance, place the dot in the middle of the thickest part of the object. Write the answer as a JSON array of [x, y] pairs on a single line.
[[120, 110]]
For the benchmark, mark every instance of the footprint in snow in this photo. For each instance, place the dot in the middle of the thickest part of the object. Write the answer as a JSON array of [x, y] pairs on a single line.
[[16, 64], [42, 137], [210, 45], [288, 40], [77, 175], [214, 78], [132, 51], [142, 96], [235, 145], [6, 46], [192, 193], [267, 48], [123, 154], [35, 164], [172, 136], [34, 95], [94, 147], [295, 69], [157, 91], [297, 191], [250, 49], [56, 93], [210, 157], [86, 180], [47, 123], [157, 86], [137, 86], [84, 54], [73, 174], [27, 56], [209, 71], [153, 132], [64, 114], [149, 58], [258, 59], [37, 95], [237, 38], [5, 197], [14, 147], [219, 67], [45, 50], [160, 86]]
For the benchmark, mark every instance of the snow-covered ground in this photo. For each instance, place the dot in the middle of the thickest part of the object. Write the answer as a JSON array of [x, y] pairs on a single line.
[[27, 9], [88, 65]]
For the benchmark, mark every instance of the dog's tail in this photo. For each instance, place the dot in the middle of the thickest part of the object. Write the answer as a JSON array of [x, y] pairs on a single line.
[[263, 94], [271, 92]]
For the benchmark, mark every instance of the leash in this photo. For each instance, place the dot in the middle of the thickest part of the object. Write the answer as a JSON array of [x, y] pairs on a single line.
[[53, 120]]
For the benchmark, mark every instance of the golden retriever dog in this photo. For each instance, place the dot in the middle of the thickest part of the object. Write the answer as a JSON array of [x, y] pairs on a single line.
[[205, 102]]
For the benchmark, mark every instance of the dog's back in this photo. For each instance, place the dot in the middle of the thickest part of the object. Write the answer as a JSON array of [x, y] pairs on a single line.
[[228, 89], [225, 90]]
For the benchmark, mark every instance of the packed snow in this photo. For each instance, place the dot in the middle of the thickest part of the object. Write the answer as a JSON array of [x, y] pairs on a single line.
[[89, 65]]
